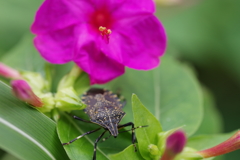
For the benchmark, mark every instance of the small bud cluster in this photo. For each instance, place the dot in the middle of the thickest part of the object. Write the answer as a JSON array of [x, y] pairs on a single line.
[[33, 89]]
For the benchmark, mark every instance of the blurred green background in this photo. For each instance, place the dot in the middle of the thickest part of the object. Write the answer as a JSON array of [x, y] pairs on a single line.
[[203, 33]]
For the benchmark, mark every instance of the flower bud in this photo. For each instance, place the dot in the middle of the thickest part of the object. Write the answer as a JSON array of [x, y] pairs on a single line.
[[231, 144], [154, 151], [162, 136], [48, 101], [174, 145], [66, 100], [36, 81], [8, 72], [23, 91]]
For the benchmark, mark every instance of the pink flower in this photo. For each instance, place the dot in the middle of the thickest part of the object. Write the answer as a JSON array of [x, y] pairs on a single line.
[[8, 72], [100, 36], [174, 145], [231, 144], [23, 91]]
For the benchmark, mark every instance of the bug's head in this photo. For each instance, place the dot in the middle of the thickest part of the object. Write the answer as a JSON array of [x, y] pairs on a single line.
[[113, 121], [109, 119], [113, 130], [108, 123]]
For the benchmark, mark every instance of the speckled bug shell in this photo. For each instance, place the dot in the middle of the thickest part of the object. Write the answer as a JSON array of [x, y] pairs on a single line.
[[104, 108]]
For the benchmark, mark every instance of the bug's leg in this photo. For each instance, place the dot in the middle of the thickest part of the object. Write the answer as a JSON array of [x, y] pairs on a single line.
[[133, 133], [80, 119], [104, 139], [81, 136], [95, 144]]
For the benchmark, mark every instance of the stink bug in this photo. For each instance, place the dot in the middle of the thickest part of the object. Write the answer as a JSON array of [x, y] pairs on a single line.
[[104, 109]]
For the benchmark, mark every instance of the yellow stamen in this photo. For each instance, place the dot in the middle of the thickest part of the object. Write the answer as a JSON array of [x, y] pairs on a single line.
[[105, 33]]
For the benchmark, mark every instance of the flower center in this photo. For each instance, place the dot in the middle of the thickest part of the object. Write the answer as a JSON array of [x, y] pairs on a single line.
[[101, 17], [105, 33], [101, 20]]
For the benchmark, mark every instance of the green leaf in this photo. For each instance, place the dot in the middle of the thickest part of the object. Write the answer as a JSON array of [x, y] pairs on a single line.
[[198, 40], [68, 129], [171, 92], [9, 157], [212, 122], [146, 135], [16, 18], [127, 154], [25, 132]]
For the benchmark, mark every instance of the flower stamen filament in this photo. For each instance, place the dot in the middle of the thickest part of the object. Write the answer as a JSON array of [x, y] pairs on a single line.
[[105, 33]]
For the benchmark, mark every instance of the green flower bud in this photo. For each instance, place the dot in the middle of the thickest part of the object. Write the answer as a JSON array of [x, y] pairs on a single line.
[[66, 100], [154, 151], [48, 101]]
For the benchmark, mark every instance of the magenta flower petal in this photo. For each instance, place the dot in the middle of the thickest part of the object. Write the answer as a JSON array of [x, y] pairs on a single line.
[[98, 67], [101, 36], [90, 58], [174, 145], [56, 46], [23, 91], [144, 45], [58, 14], [132, 7]]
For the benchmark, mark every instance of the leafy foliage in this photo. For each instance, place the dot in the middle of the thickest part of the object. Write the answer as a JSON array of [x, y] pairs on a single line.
[[25, 132], [205, 34]]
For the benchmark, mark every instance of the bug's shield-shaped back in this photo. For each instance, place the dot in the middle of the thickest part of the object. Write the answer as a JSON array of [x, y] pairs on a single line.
[[104, 109]]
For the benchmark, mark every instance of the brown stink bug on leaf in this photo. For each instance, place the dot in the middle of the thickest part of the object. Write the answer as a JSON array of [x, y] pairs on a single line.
[[104, 108]]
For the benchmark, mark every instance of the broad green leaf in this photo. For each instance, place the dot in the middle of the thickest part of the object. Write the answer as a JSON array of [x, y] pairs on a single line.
[[127, 154], [68, 129], [206, 35], [146, 135], [25, 132], [2, 153], [9, 157], [212, 122], [171, 92], [16, 18], [24, 56]]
